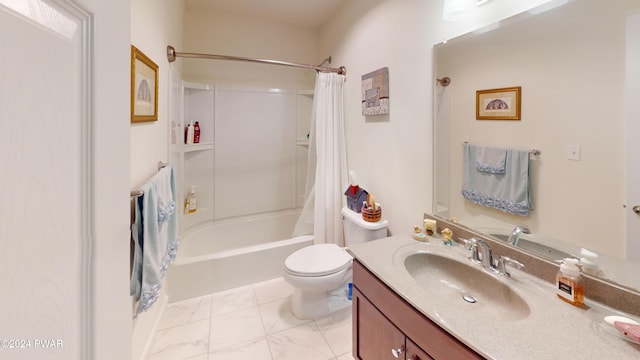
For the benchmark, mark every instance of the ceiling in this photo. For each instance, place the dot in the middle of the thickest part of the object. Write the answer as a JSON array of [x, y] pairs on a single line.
[[308, 13]]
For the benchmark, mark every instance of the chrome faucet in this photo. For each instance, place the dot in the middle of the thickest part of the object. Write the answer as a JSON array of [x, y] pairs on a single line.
[[515, 234], [481, 254]]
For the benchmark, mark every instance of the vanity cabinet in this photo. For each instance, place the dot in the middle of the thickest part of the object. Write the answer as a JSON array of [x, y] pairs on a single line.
[[387, 327]]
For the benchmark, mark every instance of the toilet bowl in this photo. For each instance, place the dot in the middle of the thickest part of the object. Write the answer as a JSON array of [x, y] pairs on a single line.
[[321, 273]]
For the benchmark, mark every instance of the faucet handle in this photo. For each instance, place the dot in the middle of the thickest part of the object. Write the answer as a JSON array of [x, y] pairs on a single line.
[[468, 243], [503, 261]]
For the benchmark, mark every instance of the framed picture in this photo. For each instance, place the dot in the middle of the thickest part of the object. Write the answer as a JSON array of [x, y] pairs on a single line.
[[375, 92], [498, 104], [144, 87]]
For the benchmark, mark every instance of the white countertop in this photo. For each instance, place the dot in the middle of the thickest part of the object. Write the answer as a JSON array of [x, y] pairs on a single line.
[[552, 330]]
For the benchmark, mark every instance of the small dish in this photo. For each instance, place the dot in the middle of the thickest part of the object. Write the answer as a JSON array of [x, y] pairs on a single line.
[[613, 318]]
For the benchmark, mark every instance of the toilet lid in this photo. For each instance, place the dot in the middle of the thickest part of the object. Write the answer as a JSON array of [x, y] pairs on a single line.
[[318, 260]]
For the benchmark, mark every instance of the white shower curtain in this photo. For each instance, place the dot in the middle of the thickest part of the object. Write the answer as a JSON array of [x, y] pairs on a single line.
[[327, 172]]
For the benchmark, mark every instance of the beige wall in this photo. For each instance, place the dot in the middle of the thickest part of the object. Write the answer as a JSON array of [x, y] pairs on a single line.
[[392, 154], [154, 25], [222, 33]]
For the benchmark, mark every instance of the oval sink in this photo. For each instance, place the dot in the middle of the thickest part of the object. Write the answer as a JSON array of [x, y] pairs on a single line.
[[481, 293]]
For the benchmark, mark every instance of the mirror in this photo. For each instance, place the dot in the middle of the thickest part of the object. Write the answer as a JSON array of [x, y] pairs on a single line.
[[570, 63]]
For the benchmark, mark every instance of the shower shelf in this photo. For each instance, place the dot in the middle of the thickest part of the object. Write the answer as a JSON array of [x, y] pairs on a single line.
[[191, 148]]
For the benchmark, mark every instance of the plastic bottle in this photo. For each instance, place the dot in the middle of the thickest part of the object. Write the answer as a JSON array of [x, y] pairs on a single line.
[[196, 133], [190, 133], [569, 285], [178, 134], [191, 203], [589, 262]]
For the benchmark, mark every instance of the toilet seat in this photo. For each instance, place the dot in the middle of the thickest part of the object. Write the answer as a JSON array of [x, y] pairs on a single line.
[[318, 260]]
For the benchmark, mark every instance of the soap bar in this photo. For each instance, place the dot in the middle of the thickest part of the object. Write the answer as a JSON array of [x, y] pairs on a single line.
[[632, 331]]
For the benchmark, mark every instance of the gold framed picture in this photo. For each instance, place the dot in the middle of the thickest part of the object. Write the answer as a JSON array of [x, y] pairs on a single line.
[[144, 87], [498, 104]]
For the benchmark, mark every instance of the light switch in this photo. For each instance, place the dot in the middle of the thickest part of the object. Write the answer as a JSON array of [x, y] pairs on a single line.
[[573, 152]]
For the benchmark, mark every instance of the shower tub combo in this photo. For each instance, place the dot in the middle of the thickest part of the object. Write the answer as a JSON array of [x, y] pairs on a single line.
[[223, 254]]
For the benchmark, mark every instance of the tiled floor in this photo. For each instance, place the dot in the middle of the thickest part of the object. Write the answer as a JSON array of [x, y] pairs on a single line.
[[250, 322]]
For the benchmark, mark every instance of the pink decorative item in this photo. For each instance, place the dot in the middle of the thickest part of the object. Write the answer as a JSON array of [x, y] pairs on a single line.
[[631, 331]]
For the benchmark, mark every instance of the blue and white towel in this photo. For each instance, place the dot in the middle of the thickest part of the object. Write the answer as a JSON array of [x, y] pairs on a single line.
[[509, 191], [490, 159], [155, 234]]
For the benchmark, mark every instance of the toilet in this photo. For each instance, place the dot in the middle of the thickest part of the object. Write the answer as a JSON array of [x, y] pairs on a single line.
[[321, 273]]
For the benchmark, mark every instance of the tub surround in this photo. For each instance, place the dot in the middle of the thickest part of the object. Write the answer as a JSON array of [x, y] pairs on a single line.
[[552, 329], [225, 254]]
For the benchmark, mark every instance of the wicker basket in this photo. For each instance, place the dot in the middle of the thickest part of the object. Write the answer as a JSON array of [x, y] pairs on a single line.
[[370, 215]]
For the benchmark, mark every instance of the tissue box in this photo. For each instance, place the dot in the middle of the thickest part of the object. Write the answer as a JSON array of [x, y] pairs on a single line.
[[355, 196]]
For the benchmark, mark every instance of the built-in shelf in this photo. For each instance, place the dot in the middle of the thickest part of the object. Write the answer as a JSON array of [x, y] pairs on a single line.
[[192, 147], [305, 92], [197, 86], [302, 142]]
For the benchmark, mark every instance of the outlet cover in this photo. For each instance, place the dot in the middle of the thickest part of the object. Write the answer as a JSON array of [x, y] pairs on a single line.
[[573, 152]]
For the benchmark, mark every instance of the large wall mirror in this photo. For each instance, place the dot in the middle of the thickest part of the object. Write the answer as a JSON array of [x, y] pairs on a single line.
[[572, 61]]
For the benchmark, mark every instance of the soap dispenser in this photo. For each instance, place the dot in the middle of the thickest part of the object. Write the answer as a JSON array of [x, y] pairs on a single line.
[[191, 204], [569, 285], [589, 262]]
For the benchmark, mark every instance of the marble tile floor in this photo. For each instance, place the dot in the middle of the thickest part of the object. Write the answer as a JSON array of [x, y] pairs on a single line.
[[249, 322]]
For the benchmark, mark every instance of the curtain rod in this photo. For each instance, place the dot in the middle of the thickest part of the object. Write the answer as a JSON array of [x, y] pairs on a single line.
[[172, 54]]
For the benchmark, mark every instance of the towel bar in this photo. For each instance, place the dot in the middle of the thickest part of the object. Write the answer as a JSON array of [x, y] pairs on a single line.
[[138, 193], [534, 151]]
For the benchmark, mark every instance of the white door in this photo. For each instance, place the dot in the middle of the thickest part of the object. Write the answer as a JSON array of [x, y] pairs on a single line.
[[633, 137], [44, 180]]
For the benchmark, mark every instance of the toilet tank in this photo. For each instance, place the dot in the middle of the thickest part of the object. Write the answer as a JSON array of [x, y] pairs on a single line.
[[358, 231]]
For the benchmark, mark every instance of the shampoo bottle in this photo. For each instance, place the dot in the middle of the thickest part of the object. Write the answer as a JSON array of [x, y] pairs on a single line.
[[569, 285], [196, 133], [191, 203], [190, 133]]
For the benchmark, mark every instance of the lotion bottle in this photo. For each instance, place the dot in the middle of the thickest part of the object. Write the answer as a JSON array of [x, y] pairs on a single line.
[[191, 203], [190, 133], [569, 285]]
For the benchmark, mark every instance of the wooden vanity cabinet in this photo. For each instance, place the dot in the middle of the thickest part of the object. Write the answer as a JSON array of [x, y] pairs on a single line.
[[414, 352], [386, 326]]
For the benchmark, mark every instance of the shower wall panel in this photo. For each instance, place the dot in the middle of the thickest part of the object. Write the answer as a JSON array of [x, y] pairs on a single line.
[[255, 154]]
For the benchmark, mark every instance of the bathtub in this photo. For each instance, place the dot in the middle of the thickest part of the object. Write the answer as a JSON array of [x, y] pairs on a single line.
[[224, 254]]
